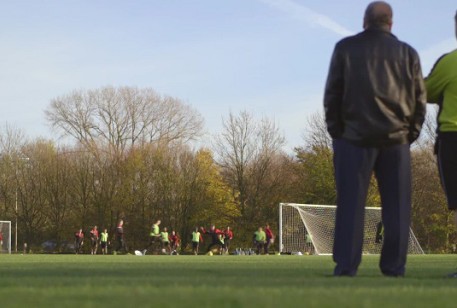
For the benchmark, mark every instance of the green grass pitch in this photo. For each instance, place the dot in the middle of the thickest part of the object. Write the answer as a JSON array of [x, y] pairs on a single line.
[[218, 281]]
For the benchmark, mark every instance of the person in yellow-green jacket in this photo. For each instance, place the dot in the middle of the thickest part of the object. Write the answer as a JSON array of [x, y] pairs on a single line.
[[104, 241], [260, 239], [165, 241], [196, 239], [442, 90], [154, 238]]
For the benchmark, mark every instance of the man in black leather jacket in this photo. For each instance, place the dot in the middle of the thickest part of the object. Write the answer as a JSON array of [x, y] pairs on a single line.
[[374, 107]]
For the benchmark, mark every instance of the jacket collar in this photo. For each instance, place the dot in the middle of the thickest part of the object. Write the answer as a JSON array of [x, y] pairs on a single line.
[[378, 30]]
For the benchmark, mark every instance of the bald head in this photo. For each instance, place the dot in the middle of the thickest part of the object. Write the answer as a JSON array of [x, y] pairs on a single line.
[[378, 15]]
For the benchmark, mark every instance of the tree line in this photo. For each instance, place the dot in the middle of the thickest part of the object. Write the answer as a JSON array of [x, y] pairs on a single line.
[[130, 155]]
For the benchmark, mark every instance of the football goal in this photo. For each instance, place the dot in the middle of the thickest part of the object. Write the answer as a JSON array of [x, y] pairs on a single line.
[[306, 228], [5, 236]]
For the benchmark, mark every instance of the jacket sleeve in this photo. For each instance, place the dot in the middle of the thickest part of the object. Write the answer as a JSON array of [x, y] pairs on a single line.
[[435, 83], [333, 95], [420, 101]]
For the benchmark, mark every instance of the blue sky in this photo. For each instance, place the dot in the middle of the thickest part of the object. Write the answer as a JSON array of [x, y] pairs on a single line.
[[269, 57]]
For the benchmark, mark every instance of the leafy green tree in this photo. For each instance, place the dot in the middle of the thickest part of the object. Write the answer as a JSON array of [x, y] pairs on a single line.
[[314, 168]]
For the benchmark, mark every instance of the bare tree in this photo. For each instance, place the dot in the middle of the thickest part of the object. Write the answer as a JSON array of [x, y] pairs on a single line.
[[246, 150], [236, 150], [316, 134], [428, 134], [11, 140], [119, 118]]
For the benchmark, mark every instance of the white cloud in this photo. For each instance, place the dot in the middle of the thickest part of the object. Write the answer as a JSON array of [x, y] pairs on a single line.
[[309, 16], [431, 54]]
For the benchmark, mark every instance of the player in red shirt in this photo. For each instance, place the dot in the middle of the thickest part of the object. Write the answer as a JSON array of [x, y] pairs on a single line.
[[120, 237], [79, 240], [214, 234], [270, 238], [94, 240], [175, 241], [228, 236]]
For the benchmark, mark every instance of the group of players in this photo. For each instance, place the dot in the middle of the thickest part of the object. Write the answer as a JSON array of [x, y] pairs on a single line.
[[168, 243], [102, 238], [163, 242], [95, 239]]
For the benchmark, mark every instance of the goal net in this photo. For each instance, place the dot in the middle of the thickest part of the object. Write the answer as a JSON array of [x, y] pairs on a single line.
[[305, 228], [5, 236]]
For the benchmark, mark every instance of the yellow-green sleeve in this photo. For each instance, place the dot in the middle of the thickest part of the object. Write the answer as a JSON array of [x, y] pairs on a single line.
[[436, 82]]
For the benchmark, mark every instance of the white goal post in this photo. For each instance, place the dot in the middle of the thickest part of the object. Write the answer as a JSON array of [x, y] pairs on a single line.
[[5, 236], [309, 229]]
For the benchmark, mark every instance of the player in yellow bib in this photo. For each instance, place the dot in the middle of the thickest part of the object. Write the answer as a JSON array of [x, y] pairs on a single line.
[[442, 90], [260, 239], [104, 241], [165, 241], [196, 239], [154, 238]]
